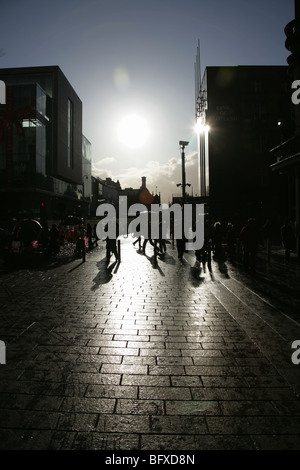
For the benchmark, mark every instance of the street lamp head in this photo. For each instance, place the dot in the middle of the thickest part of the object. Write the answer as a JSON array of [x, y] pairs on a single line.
[[182, 143]]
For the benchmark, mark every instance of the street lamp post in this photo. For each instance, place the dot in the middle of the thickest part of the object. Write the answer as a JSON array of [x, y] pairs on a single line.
[[202, 130], [83, 195], [183, 144]]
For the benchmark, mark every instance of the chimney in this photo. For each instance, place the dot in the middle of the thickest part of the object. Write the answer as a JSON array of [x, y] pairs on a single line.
[[143, 182]]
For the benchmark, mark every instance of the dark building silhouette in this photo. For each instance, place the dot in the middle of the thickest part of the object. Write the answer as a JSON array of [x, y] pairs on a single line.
[[248, 110], [44, 158], [286, 156], [104, 191], [140, 195]]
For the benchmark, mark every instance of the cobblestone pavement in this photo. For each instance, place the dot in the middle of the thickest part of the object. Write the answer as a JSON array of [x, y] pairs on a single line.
[[149, 357]]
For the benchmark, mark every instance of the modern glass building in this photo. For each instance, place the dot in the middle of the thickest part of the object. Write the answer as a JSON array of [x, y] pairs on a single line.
[[43, 155]]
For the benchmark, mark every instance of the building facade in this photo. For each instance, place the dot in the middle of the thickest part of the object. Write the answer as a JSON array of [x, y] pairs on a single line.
[[241, 113], [43, 155], [286, 156], [141, 195]]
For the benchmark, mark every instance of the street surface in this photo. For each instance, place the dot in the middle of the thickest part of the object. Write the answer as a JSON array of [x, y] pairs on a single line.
[[145, 356]]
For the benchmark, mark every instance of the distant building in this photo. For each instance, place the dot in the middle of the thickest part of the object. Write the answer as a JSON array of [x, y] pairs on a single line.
[[87, 188], [140, 195], [97, 197], [44, 159], [111, 190], [238, 111], [104, 192], [286, 156]]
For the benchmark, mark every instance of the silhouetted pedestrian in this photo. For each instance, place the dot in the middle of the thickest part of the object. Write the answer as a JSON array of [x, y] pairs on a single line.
[[162, 241], [230, 240], [267, 233], [144, 245], [80, 242], [111, 246], [162, 246], [44, 239], [250, 237], [95, 235], [54, 237], [203, 256], [154, 243], [89, 235], [180, 244], [288, 238], [111, 249], [217, 238], [137, 230], [139, 241]]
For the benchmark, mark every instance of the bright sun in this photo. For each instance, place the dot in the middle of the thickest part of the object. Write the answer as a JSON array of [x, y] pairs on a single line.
[[133, 131]]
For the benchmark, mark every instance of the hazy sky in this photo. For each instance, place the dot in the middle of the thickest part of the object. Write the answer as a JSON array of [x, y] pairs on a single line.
[[136, 57]]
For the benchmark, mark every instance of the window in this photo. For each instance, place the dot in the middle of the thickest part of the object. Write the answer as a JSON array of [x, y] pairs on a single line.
[[40, 101], [2, 92], [41, 150], [70, 134]]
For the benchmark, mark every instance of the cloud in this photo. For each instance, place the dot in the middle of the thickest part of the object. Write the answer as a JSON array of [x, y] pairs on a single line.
[[100, 168], [105, 161], [160, 177]]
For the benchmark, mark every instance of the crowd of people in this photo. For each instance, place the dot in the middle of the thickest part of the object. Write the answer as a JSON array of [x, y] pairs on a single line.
[[226, 241], [80, 236], [221, 241]]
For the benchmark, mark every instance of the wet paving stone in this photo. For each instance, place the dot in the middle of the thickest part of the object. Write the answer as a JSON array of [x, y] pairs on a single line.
[[147, 356]]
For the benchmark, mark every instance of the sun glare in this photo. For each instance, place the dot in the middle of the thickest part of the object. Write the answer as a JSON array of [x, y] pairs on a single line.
[[133, 131]]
